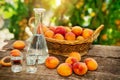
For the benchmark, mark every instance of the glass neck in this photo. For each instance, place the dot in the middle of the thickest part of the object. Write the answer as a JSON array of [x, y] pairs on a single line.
[[38, 23], [39, 12]]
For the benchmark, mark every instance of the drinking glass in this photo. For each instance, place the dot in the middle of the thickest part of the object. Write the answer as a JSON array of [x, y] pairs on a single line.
[[17, 63], [31, 61]]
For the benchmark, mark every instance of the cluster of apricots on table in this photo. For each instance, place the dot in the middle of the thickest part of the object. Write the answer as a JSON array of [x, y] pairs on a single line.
[[17, 47], [72, 64], [67, 33]]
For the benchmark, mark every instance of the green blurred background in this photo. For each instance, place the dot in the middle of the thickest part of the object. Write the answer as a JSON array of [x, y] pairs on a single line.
[[14, 16]]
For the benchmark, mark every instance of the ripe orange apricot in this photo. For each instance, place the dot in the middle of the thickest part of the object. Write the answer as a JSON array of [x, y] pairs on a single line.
[[64, 69], [67, 29], [80, 68], [70, 36], [52, 62], [5, 61], [77, 30], [58, 36], [71, 60], [44, 29], [75, 55], [49, 34], [19, 44], [91, 64], [80, 38], [87, 33], [15, 52], [52, 28]]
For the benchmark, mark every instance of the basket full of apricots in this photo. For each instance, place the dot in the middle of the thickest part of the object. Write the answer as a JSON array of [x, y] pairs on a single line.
[[62, 40]]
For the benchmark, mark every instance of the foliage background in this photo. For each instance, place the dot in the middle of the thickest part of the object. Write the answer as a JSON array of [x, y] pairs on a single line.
[[84, 13]]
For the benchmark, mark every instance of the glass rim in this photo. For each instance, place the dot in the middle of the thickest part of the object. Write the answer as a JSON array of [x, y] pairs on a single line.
[[39, 9]]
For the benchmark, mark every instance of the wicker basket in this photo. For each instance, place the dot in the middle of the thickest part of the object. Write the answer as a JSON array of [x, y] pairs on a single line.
[[64, 47]]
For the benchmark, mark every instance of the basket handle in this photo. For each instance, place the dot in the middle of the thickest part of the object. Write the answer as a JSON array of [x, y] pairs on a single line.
[[97, 32], [30, 21]]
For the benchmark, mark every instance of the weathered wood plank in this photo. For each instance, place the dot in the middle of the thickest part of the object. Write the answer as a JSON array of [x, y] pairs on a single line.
[[108, 58], [105, 51]]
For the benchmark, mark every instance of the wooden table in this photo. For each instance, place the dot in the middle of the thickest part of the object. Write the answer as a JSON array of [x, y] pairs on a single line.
[[108, 58]]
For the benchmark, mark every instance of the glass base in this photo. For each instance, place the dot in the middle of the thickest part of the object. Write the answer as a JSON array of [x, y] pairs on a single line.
[[16, 68], [31, 69]]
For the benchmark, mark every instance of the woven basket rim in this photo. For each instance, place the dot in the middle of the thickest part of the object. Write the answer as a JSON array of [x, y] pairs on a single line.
[[90, 39]]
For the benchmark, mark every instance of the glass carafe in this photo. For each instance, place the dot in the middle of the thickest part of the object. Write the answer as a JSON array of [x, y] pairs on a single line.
[[38, 43]]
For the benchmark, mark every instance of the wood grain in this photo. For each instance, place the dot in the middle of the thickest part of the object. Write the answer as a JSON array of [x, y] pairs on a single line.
[[108, 58]]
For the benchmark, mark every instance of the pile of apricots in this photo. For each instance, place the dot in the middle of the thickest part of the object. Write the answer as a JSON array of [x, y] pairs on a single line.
[[67, 33], [71, 64], [17, 46]]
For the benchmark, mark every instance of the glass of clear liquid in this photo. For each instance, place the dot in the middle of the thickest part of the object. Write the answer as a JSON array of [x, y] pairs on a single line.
[[31, 61], [17, 63]]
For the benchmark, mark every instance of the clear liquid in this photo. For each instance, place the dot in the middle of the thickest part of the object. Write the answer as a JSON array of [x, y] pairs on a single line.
[[40, 47], [16, 64], [41, 59], [31, 69], [16, 68], [31, 63]]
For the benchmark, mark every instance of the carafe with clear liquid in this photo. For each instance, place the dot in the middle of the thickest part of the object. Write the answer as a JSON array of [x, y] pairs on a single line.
[[38, 43]]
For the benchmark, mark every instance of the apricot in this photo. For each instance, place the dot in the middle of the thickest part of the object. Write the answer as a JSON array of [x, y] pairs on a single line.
[[58, 36], [80, 68], [70, 36], [15, 52], [44, 29], [75, 55], [52, 62], [5, 61], [67, 29], [87, 33], [64, 69], [71, 60], [80, 38], [52, 28], [61, 30], [77, 30], [49, 34], [19, 44], [91, 64]]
